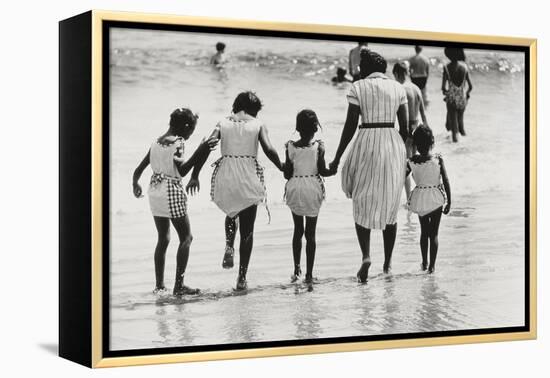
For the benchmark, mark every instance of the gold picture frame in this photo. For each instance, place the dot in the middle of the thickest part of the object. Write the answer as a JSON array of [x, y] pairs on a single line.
[[90, 328]]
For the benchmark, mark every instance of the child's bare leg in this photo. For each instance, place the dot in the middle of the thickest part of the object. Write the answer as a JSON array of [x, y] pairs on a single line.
[[163, 239], [311, 245], [183, 228], [435, 218], [363, 237], [247, 218], [297, 244], [231, 227], [389, 234], [424, 239]]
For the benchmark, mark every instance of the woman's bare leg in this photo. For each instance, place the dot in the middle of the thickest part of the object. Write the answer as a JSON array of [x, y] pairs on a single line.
[[460, 121], [363, 237], [453, 121], [389, 234]]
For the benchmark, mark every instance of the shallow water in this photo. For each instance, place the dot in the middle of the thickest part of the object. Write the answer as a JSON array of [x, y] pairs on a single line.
[[479, 282]]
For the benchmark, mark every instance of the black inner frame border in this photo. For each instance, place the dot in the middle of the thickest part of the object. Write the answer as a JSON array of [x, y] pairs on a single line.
[[107, 25]]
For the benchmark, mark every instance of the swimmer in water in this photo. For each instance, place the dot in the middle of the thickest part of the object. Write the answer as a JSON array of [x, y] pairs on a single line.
[[218, 59], [341, 76]]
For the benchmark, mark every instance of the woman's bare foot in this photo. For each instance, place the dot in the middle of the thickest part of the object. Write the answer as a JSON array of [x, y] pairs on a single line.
[[423, 266], [431, 269], [227, 262], [363, 272], [387, 268]]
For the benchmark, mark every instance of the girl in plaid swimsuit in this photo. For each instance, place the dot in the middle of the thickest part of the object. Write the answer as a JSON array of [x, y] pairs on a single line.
[[305, 189], [167, 198]]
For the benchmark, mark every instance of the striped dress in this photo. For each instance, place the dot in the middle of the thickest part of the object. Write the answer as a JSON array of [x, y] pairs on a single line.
[[373, 174]]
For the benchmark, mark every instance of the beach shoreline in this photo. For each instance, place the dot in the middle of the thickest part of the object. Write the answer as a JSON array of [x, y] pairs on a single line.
[[447, 300]]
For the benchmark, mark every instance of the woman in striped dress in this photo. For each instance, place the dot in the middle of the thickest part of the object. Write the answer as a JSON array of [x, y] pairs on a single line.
[[373, 174]]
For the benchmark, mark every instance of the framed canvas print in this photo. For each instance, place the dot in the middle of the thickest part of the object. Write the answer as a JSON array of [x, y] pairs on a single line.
[[234, 189]]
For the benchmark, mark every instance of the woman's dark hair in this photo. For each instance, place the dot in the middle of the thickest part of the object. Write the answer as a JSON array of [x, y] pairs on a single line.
[[400, 69], [307, 122], [455, 53], [372, 62], [423, 138], [220, 46], [181, 119], [248, 102]]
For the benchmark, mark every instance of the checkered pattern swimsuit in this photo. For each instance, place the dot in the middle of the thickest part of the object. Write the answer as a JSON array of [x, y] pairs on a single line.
[[166, 192]]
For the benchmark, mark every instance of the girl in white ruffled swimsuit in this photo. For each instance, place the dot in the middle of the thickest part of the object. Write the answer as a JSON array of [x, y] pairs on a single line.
[[305, 168], [432, 194]]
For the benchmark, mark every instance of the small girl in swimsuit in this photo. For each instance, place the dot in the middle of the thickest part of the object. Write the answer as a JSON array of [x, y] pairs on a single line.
[[305, 191], [429, 198], [167, 198]]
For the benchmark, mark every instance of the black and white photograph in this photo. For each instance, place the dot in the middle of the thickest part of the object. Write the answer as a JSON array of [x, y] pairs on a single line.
[[269, 188]]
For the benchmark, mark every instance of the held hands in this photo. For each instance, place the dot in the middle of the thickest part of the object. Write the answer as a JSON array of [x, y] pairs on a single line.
[[138, 192], [333, 167], [288, 170], [447, 208]]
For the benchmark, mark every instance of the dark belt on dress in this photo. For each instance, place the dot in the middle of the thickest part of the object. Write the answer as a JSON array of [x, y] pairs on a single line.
[[377, 125]]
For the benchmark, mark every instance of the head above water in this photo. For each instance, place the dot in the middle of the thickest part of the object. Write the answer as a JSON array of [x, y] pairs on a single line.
[[307, 122], [455, 54], [372, 62], [400, 71], [247, 102], [341, 72], [183, 122], [418, 49], [220, 47], [423, 139]]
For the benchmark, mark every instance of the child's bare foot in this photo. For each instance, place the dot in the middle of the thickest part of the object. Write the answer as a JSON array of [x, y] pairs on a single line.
[[241, 283], [160, 290], [431, 269], [296, 275], [227, 262], [363, 272], [387, 268], [424, 266], [309, 282], [184, 290]]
